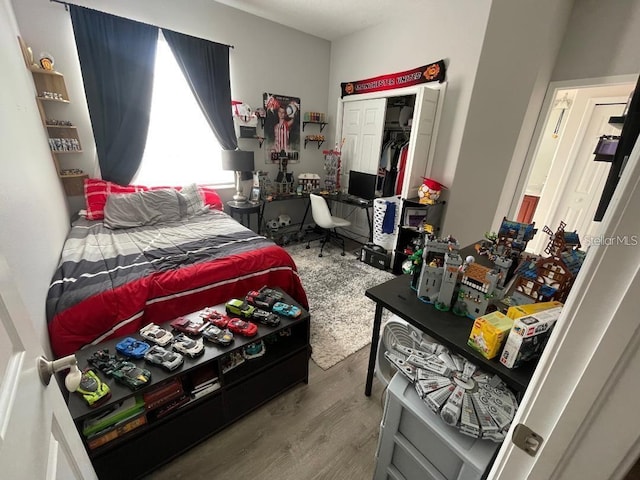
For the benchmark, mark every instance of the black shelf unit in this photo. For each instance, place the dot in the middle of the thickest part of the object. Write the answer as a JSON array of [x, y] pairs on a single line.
[[242, 389], [412, 215]]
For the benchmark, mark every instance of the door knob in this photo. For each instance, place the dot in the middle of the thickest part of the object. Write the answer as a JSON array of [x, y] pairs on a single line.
[[46, 368]]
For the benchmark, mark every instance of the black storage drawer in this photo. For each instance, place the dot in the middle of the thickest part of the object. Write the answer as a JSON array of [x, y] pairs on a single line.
[[255, 391], [162, 442]]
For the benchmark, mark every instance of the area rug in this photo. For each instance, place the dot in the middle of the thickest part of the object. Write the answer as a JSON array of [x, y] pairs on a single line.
[[341, 315]]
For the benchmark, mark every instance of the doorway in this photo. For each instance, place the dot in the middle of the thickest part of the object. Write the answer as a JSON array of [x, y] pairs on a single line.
[[564, 183]]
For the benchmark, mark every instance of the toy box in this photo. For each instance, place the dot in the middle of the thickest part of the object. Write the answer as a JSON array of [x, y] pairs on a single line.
[[528, 337], [518, 311], [489, 333]]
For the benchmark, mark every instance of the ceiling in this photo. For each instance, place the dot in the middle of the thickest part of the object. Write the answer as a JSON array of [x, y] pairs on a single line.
[[328, 19]]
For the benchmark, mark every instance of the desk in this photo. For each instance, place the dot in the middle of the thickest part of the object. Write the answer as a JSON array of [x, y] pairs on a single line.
[[448, 329], [332, 197], [246, 208]]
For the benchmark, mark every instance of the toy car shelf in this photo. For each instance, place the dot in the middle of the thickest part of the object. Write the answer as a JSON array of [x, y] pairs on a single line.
[[164, 431]]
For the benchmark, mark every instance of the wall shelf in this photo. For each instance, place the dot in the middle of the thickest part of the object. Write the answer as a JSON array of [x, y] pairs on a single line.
[[322, 124], [320, 142], [50, 88]]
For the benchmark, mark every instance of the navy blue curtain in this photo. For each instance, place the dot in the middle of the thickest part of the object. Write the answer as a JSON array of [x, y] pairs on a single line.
[[117, 58], [205, 64]]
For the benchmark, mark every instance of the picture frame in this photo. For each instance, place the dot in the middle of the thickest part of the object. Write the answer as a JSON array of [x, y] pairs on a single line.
[[255, 194], [414, 217]]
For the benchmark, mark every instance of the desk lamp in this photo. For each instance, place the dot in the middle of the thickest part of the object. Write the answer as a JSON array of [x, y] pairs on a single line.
[[240, 162]]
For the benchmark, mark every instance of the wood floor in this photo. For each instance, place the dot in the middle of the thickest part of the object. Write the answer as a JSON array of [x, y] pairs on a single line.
[[325, 430]]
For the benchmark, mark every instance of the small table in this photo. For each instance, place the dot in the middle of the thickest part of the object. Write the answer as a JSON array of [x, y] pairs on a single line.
[[448, 329], [246, 208]]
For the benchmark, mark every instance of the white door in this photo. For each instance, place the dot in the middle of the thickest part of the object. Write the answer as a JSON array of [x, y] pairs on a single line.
[[582, 399], [583, 189], [38, 439], [362, 127], [422, 141]]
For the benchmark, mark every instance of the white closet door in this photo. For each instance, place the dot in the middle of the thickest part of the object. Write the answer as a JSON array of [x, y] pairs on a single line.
[[362, 125], [362, 129], [422, 141]]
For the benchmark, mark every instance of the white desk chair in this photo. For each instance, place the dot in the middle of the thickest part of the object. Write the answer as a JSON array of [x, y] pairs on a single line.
[[323, 219]]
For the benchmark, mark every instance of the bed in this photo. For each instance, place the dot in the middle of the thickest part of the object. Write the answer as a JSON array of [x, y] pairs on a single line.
[[111, 282]]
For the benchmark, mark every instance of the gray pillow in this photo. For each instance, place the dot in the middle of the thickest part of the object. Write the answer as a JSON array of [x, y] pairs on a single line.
[[193, 201], [128, 210]]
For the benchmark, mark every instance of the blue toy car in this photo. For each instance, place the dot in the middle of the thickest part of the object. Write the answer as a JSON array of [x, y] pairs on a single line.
[[286, 310], [132, 348]]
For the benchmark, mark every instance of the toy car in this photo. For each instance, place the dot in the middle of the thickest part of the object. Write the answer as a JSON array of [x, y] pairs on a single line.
[[246, 329], [103, 361], [266, 318], [218, 319], [184, 325], [165, 358], [132, 348], [253, 350], [264, 298], [240, 308], [286, 310], [188, 346], [92, 389], [156, 334], [255, 298], [272, 293], [217, 335], [131, 375]]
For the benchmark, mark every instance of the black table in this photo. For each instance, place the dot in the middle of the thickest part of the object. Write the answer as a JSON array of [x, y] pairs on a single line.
[[450, 330], [246, 208]]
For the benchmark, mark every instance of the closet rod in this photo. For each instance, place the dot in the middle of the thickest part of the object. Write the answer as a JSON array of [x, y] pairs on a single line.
[[66, 7]]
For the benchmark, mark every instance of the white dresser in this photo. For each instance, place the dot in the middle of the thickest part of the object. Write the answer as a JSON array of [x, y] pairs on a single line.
[[415, 444]]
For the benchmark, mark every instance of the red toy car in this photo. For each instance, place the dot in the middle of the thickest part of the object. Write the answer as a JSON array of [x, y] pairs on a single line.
[[187, 326], [241, 327], [220, 320]]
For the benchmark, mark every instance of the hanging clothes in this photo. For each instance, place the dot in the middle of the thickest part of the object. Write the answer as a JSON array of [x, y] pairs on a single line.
[[401, 167]]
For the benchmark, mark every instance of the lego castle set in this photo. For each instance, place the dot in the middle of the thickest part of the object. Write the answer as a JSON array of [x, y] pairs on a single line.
[[469, 289]]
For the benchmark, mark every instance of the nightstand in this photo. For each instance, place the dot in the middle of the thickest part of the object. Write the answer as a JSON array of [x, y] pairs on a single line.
[[246, 208]]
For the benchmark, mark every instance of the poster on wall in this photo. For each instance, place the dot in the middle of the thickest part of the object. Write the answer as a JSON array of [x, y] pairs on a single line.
[[281, 128], [434, 72]]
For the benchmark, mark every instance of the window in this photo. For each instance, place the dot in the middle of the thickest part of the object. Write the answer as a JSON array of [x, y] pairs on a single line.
[[181, 148]]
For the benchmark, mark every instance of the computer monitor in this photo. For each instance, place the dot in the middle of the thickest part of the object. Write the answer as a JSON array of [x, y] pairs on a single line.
[[362, 185]]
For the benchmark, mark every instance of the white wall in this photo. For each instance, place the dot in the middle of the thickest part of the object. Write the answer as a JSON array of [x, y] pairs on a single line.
[[518, 55], [601, 40], [267, 58], [33, 211], [439, 29]]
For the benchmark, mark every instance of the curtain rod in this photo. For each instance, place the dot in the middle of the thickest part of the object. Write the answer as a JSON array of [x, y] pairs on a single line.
[[66, 7]]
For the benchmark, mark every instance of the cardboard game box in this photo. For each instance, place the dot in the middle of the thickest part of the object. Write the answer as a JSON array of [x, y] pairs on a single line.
[[518, 311], [528, 337], [489, 332]]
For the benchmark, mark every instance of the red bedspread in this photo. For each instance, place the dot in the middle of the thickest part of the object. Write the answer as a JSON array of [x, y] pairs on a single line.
[[160, 288]]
